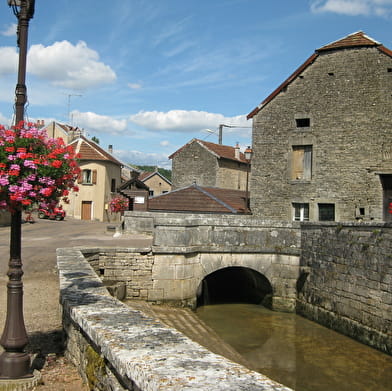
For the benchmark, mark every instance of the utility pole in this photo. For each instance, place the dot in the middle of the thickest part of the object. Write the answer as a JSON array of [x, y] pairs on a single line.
[[220, 136], [69, 106]]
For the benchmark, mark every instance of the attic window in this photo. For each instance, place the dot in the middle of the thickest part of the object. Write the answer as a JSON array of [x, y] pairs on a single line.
[[302, 122]]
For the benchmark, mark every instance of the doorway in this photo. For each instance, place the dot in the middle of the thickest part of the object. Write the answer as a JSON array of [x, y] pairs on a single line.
[[386, 181], [86, 210]]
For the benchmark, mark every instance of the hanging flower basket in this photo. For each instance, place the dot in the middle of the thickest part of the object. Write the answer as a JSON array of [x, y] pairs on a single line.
[[34, 168], [118, 204]]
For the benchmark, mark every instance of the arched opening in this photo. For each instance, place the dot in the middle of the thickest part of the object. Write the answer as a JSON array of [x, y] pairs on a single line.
[[235, 285]]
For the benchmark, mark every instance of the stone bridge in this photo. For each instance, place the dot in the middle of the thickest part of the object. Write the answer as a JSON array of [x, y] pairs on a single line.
[[202, 257]]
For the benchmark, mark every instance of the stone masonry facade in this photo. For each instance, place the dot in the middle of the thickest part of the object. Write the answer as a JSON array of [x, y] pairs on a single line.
[[195, 163], [338, 106]]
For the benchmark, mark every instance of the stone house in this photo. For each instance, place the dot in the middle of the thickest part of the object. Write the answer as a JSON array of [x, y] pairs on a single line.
[[322, 141], [209, 164], [98, 181], [156, 182]]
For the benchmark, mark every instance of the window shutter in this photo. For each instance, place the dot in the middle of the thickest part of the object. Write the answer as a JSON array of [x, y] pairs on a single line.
[[80, 177], [297, 163], [94, 177], [307, 162]]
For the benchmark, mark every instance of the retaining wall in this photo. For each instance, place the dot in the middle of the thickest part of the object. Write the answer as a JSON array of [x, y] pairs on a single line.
[[117, 348], [349, 286]]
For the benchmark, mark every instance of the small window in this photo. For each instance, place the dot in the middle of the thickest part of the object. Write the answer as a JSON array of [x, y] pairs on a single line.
[[300, 212], [326, 212], [151, 193], [87, 177], [301, 165], [302, 122], [389, 70], [113, 185]]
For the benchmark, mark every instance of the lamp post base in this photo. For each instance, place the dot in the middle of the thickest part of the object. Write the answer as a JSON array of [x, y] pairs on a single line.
[[15, 365], [21, 384]]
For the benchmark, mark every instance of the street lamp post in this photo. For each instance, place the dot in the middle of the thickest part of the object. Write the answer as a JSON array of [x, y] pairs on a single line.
[[248, 157], [14, 361]]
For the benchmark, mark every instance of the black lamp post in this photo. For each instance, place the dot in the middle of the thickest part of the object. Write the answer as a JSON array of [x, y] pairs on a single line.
[[248, 157], [14, 361]]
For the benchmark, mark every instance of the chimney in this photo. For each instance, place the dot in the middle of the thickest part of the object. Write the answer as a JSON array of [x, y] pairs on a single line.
[[110, 148], [237, 151]]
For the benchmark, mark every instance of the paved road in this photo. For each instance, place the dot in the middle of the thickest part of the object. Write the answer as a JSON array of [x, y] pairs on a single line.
[[39, 243]]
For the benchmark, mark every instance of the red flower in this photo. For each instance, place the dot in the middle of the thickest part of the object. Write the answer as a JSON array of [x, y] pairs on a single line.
[[56, 163]]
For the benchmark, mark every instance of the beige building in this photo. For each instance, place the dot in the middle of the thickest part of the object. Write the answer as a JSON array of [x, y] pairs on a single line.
[[98, 181], [156, 182], [57, 130]]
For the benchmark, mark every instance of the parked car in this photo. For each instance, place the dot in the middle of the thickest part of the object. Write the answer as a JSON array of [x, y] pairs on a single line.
[[53, 214]]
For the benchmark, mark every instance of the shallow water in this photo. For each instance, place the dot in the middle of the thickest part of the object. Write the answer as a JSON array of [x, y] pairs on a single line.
[[297, 352]]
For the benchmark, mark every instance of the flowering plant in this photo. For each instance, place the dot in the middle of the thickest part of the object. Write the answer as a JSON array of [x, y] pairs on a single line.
[[118, 204], [34, 168]]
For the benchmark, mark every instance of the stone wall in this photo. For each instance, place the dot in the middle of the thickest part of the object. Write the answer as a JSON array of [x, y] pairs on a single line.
[[194, 163], [349, 286], [118, 348], [346, 95]]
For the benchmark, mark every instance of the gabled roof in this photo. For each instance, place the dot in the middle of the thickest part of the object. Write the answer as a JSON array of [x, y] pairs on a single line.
[[89, 150], [218, 150], [358, 39], [199, 199], [144, 176], [134, 183]]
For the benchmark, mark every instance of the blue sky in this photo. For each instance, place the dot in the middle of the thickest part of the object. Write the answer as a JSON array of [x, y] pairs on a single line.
[[148, 76]]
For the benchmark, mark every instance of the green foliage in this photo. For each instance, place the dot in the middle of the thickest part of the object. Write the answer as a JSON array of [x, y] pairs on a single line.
[[163, 171], [95, 139]]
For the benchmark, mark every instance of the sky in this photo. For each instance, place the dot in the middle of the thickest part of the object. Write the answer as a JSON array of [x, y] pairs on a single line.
[[149, 76]]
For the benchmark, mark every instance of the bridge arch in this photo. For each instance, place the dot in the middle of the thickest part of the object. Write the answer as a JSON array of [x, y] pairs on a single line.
[[235, 284], [280, 270]]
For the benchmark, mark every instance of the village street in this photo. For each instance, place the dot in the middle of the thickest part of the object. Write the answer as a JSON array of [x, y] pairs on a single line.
[[41, 288]]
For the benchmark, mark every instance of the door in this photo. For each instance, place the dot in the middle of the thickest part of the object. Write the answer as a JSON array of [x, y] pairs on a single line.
[[386, 181], [86, 210]]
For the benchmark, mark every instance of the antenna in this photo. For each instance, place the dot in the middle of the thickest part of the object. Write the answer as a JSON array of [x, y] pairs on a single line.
[[69, 106]]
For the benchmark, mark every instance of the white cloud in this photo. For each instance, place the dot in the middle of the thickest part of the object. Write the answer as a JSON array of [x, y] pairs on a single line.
[[184, 121], [165, 143], [98, 123], [353, 7], [10, 30], [9, 62], [135, 86], [70, 66]]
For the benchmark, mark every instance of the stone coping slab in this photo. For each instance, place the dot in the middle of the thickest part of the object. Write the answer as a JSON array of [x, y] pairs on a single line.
[[139, 348]]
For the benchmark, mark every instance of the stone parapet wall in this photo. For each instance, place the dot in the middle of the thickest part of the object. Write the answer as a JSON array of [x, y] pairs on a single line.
[[349, 286], [214, 232], [118, 348]]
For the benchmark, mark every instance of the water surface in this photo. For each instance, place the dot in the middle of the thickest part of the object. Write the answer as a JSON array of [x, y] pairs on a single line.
[[297, 352]]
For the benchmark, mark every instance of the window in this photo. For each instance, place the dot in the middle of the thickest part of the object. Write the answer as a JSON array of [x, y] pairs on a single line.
[[326, 212], [87, 177], [151, 193], [301, 168], [300, 212], [302, 122], [113, 185]]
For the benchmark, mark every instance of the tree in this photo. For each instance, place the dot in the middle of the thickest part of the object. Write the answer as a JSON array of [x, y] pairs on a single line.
[[95, 139]]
